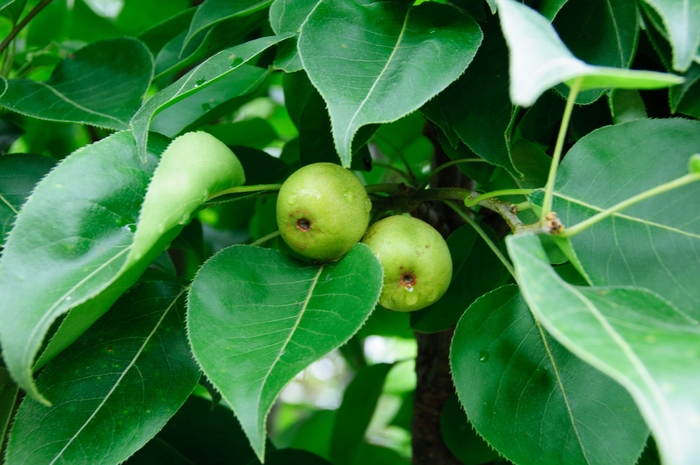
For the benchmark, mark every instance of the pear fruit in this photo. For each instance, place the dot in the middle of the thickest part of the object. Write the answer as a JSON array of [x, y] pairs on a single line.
[[322, 211], [416, 261]]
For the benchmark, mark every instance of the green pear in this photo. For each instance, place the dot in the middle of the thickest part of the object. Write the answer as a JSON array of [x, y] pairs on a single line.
[[322, 211], [417, 263]]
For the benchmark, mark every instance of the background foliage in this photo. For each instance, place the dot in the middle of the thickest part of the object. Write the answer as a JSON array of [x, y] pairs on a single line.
[[139, 323]]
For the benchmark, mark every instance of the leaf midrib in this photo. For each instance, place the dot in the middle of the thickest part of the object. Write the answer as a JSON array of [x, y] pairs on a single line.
[[628, 217], [118, 381]]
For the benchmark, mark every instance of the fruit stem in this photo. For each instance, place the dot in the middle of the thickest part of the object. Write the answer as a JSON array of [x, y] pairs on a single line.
[[521, 207], [556, 156], [266, 238], [484, 236], [470, 202], [675, 184], [448, 164], [385, 188], [241, 189]]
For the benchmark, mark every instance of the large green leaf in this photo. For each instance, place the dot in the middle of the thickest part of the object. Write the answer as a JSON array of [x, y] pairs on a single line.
[[616, 27], [19, 173], [532, 399], [215, 11], [685, 98], [373, 63], [483, 86], [101, 84], [540, 60], [198, 434], [631, 334], [8, 398], [476, 271], [654, 244], [257, 317], [114, 389], [681, 23], [204, 75], [104, 231], [353, 417]]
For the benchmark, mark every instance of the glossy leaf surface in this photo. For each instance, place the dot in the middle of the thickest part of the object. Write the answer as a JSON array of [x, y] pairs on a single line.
[[256, 317], [532, 399], [101, 84], [288, 16], [540, 60], [654, 244], [629, 333], [114, 388], [70, 241], [198, 79], [460, 437], [19, 173], [372, 63]]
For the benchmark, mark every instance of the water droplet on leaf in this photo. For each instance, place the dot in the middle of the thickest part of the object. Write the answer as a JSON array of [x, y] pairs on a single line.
[[185, 218], [484, 356], [236, 61], [200, 81]]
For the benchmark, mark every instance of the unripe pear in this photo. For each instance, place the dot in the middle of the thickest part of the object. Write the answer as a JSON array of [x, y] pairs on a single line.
[[322, 211], [416, 261]]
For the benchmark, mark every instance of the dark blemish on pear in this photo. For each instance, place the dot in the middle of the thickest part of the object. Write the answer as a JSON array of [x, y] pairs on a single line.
[[408, 279], [303, 225]]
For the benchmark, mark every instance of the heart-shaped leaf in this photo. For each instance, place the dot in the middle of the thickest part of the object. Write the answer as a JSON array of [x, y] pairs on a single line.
[[205, 74], [379, 80], [115, 388], [540, 60], [101, 84], [532, 399], [19, 173], [646, 245], [631, 334], [257, 317]]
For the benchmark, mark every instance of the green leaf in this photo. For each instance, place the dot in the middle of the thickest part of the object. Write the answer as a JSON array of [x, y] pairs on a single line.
[[255, 132], [138, 15], [476, 271], [194, 109], [681, 21], [384, 78], [353, 417], [204, 75], [653, 244], [459, 436], [197, 434], [540, 60], [484, 85], [616, 27], [629, 333], [212, 12], [685, 98], [69, 242], [257, 317], [532, 399], [175, 56], [102, 84], [19, 173], [114, 389], [626, 105], [288, 16], [156, 37]]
